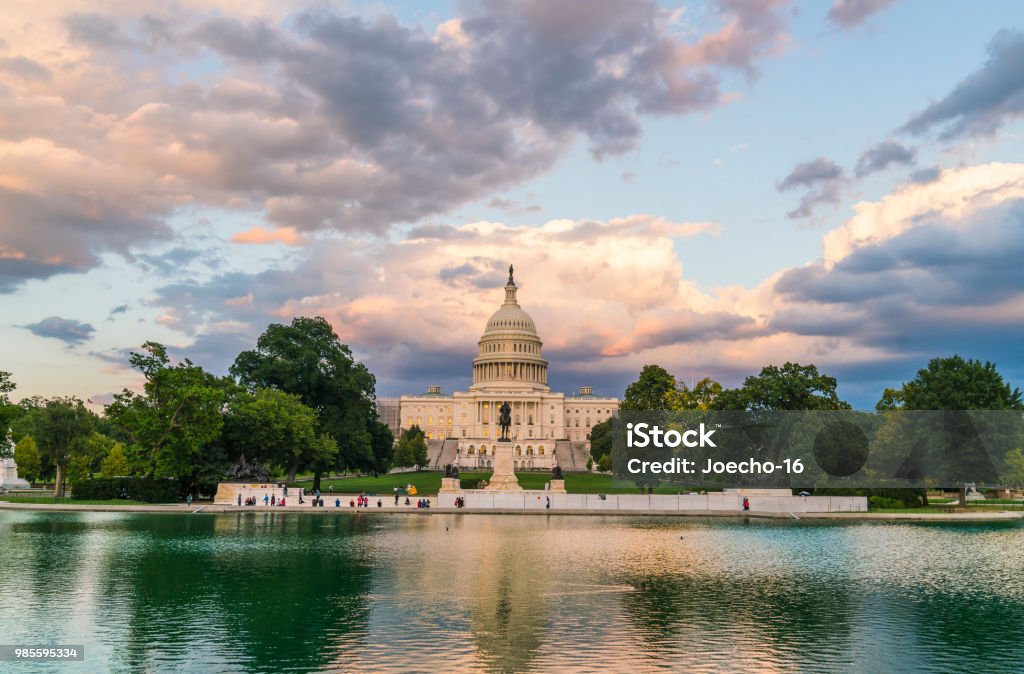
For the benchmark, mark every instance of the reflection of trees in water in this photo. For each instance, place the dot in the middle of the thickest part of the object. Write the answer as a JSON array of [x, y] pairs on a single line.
[[754, 615], [270, 592], [42, 557]]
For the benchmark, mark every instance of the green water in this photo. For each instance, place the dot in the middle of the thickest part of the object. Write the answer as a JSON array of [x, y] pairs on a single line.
[[265, 592]]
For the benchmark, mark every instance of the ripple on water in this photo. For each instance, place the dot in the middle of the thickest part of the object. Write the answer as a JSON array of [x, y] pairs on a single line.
[[259, 592]]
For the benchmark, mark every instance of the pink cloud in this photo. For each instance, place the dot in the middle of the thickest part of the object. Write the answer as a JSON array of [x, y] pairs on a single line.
[[258, 235]]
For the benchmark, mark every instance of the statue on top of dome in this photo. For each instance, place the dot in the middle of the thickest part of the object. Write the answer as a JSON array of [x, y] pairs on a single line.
[[510, 281]]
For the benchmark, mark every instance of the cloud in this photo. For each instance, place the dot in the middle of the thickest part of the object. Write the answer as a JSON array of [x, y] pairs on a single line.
[[67, 330], [25, 68], [882, 155], [850, 13], [953, 196], [258, 235], [983, 101], [316, 120], [925, 175], [95, 30], [822, 178], [445, 288]]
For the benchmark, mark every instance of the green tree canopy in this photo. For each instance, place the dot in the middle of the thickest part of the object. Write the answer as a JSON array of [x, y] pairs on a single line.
[[26, 455], [701, 397], [601, 439], [383, 441], [956, 384], [790, 387], [176, 417], [116, 462], [61, 430], [412, 448], [649, 392], [308, 359], [273, 427]]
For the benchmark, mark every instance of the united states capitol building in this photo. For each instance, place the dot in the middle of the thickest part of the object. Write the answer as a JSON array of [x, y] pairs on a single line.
[[548, 428]]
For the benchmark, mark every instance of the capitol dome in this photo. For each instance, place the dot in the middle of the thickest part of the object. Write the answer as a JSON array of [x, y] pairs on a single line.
[[510, 349]]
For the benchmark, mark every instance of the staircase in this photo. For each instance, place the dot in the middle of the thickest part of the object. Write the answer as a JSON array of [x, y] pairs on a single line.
[[441, 452], [572, 456]]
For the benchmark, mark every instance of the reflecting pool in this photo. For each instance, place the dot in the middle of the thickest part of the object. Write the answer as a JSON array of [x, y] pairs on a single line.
[[270, 592]]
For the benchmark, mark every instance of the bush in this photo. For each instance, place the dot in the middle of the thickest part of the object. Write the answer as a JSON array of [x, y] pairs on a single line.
[[474, 483], [151, 490], [904, 497], [884, 503]]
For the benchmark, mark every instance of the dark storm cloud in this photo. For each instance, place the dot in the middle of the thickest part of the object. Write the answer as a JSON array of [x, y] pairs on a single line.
[[823, 180], [850, 13], [65, 329], [983, 101], [882, 155]]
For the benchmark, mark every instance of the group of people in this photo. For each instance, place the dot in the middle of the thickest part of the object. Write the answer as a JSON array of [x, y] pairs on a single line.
[[268, 500], [362, 502], [422, 503], [460, 501]]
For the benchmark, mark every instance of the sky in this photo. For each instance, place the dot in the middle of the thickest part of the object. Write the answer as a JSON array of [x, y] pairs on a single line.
[[709, 186]]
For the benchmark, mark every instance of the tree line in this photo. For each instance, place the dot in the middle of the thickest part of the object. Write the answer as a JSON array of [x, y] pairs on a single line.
[[298, 401], [949, 383]]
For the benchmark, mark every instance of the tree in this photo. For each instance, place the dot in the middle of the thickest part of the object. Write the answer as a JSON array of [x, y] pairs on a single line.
[[116, 463], [383, 441], [701, 397], [273, 427], [61, 429], [601, 439], [650, 390], [411, 449], [790, 387], [308, 359], [87, 460], [892, 399], [957, 384], [26, 455], [176, 417], [1015, 466]]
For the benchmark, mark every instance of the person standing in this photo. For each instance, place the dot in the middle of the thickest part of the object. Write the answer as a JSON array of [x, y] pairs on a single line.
[[266, 500], [547, 502], [239, 499], [188, 500], [746, 503]]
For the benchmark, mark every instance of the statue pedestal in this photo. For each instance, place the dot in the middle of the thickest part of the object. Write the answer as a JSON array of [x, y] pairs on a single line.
[[9, 476], [450, 484], [557, 487], [504, 477]]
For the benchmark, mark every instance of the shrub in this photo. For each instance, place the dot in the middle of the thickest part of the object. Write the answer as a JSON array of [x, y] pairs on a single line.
[[148, 489], [884, 503]]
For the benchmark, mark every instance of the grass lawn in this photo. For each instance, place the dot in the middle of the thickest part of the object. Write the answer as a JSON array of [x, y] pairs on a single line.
[[429, 482]]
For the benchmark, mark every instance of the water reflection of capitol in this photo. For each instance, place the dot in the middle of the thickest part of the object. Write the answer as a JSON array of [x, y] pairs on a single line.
[[548, 428]]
